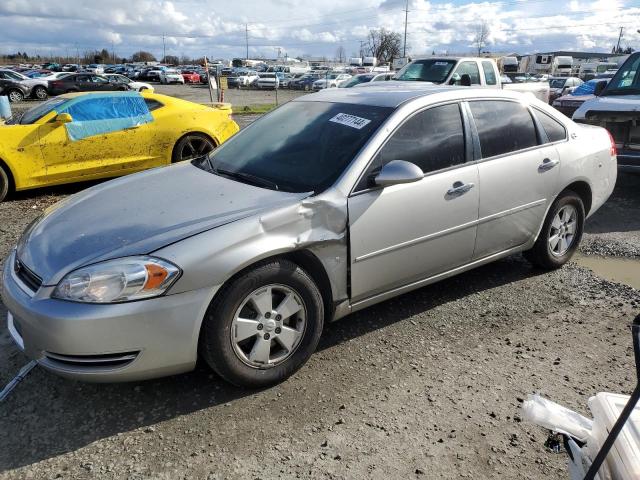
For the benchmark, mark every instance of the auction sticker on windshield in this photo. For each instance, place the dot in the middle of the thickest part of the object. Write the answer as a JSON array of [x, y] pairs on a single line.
[[350, 120]]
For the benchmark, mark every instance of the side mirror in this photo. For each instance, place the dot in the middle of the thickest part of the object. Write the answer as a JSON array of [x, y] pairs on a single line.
[[600, 86], [63, 118], [398, 171], [465, 80]]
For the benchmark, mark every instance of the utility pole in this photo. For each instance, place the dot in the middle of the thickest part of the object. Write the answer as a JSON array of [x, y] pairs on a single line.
[[164, 50], [406, 16], [362, 42], [246, 38], [619, 38]]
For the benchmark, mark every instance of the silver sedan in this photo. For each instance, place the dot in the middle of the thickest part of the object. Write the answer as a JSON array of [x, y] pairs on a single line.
[[331, 203]]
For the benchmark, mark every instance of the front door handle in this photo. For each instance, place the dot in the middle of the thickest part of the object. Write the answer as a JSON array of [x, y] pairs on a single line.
[[459, 188], [547, 164]]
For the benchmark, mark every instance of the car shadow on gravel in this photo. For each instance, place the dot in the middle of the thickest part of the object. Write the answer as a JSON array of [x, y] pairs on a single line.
[[47, 416], [614, 215]]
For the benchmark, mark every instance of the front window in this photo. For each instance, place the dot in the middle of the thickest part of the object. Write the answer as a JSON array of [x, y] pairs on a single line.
[[557, 82], [627, 80], [429, 70], [300, 147]]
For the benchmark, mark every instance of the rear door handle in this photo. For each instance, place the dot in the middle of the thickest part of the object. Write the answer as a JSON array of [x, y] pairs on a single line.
[[547, 164], [459, 188]]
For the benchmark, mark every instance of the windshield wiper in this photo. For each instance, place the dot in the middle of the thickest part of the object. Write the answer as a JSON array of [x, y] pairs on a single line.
[[248, 178]]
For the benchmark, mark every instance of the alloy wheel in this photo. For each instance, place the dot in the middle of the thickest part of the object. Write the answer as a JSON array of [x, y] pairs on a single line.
[[195, 146], [268, 326], [41, 93], [15, 96], [563, 230]]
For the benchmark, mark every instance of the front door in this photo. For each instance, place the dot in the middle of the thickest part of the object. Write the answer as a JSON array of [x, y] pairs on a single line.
[[404, 233], [101, 153], [518, 175]]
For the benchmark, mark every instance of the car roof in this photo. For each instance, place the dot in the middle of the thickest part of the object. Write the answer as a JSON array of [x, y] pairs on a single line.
[[395, 93]]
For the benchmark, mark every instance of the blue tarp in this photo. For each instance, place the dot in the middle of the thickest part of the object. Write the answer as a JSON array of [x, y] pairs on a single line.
[[100, 113]]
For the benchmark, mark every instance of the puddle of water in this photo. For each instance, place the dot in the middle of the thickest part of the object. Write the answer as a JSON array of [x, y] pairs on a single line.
[[620, 270]]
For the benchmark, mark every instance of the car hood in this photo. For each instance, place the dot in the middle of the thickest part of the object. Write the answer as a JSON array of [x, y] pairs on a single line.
[[574, 98], [611, 103], [137, 215]]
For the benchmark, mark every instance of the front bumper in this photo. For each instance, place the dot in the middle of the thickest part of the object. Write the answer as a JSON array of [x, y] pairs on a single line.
[[105, 343]]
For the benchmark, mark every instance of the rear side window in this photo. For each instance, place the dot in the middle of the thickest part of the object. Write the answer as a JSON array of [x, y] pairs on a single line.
[[503, 127], [489, 73], [432, 139], [554, 129]]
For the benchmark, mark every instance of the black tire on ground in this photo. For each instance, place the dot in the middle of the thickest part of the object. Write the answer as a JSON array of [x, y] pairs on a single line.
[[216, 345], [15, 96], [192, 145], [142, 89], [541, 255], [40, 93], [5, 184]]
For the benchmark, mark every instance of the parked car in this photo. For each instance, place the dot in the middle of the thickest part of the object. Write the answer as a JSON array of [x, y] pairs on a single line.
[[357, 80], [170, 76], [569, 103], [242, 78], [616, 106], [285, 79], [94, 68], [305, 82], [55, 76], [131, 85], [331, 80], [562, 86], [190, 76], [70, 67], [268, 80], [242, 255], [383, 77], [14, 90], [84, 82], [466, 71], [74, 143], [36, 88]]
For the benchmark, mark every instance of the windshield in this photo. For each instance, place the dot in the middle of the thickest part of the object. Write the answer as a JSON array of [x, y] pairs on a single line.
[[627, 80], [429, 70], [557, 82], [299, 147], [34, 114]]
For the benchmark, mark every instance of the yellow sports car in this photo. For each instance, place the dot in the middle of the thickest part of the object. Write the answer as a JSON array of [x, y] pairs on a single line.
[[85, 136]]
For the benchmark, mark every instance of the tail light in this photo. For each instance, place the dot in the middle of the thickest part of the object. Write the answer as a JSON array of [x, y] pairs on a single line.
[[614, 150]]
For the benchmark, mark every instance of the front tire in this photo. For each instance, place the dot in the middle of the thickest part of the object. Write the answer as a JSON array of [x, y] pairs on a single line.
[[40, 93], [16, 96], [560, 234], [263, 326], [5, 184]]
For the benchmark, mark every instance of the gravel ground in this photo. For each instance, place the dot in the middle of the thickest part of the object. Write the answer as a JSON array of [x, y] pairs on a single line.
[[428, 385]]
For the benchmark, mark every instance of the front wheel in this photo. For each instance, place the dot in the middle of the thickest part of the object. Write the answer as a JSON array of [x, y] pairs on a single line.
[[40, 93], [263, 326], [561, 232]]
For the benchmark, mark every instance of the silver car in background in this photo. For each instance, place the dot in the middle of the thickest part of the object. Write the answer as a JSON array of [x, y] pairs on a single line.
[[329, 204]]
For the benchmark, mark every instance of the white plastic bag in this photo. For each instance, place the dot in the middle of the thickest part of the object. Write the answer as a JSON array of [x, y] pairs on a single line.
[[548, 414]]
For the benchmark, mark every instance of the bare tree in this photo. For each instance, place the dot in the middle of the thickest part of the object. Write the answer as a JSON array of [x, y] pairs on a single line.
[[384, 45], [481, 37], [341, 54], [143, 56]]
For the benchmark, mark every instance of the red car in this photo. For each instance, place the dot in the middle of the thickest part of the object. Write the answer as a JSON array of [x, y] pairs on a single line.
[[190, 76]]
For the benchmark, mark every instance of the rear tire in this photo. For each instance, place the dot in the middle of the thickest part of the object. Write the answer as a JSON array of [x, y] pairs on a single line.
[[287, 339], [192, 145], [5, 184], [560, 234], [15, 96]]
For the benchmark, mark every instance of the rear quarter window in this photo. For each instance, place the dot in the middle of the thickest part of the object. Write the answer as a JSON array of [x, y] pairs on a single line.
[[554, 129]]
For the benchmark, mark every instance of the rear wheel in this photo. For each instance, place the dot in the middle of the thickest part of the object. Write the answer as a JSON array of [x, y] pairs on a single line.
[[192, 145], [16, 96], [4, 183], [560, 234], [263, 326], [40, 93]]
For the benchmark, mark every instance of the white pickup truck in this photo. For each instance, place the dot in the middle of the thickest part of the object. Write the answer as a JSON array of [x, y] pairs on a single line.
[[466, 71]]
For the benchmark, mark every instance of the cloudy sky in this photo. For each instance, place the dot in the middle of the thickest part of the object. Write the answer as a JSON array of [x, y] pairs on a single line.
[[218, 28]]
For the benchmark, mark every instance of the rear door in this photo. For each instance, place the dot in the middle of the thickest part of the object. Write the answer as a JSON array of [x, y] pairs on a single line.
[[518, 172], [405, 233]]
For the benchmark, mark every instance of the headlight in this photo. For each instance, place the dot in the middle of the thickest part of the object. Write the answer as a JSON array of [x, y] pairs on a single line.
[[120, 280]]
